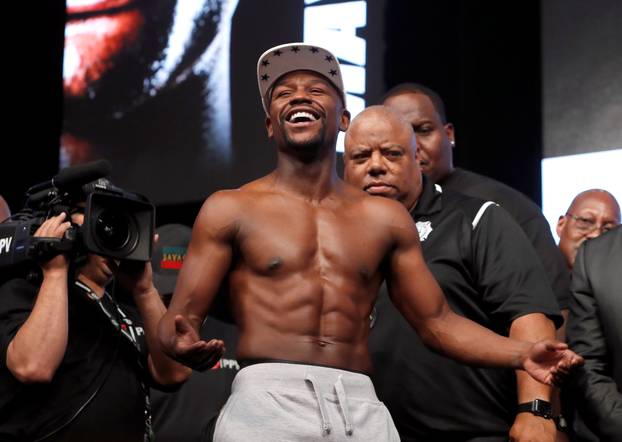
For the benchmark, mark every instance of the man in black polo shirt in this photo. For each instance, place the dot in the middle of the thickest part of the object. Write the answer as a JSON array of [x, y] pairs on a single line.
[[489, 273], [424, 110], [77, 360]]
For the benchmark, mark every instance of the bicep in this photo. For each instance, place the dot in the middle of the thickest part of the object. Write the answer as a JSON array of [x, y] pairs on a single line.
[[207, 261]]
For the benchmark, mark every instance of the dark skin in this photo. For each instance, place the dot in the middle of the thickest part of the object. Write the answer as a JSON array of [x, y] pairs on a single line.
[[304, 254], [5, 212], [434, 137], [595, 211], [381, 158]]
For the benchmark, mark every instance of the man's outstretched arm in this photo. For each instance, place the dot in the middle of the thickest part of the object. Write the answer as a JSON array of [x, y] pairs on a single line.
[[205, 266], [417, 295]]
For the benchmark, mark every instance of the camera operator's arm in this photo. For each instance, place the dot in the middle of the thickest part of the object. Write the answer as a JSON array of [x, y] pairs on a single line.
[[38, 347], [137, 277]]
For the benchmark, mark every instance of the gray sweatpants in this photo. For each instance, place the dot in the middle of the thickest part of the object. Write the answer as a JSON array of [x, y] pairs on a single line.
[[275, 402]]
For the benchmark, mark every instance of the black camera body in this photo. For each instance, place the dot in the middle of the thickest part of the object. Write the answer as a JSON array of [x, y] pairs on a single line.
[[117, 224]]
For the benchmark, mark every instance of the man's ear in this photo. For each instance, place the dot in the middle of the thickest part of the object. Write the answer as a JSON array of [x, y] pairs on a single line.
[[561, 222], [344, 121], [449, 130], [269, 127]]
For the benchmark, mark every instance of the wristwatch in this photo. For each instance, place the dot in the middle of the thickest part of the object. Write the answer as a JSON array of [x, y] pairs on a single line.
[[537, 407]]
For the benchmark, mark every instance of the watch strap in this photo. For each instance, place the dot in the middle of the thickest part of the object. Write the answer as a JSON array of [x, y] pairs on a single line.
[[537, 407]]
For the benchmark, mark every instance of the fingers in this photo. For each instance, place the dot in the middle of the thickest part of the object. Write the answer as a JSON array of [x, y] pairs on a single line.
[[203, 355], [555, 345], [182, 326], [571, 359], [54, 227]]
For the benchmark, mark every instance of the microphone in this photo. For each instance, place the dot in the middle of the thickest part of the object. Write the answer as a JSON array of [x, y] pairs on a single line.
[[74, 176]]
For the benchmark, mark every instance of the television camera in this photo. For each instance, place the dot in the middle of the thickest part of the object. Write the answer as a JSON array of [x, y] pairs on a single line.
[[117, 224]]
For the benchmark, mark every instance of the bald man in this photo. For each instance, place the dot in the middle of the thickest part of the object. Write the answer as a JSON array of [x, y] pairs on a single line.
[[489, 273], [590, 214]]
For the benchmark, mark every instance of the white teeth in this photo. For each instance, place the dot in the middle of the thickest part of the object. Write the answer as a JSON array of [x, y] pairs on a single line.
[[302, 116]]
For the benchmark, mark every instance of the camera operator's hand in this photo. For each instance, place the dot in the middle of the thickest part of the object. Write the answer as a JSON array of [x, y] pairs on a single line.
[[54, 227], [136, 277]]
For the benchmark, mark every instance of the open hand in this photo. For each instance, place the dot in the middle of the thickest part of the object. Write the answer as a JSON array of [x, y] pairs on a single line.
[[550, 361], [191, 350]]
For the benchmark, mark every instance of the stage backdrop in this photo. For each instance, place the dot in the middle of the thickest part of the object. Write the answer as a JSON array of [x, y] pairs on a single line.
[[582, 100], [167, 90]]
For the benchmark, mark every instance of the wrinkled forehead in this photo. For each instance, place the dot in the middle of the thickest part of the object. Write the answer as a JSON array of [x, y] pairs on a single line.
[[380, 124], [596, 203]]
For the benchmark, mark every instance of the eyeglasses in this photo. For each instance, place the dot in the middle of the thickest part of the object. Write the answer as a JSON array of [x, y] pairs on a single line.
[[588, 225]]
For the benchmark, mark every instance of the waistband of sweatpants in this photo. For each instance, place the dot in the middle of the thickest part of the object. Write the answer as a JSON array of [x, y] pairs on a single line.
[[294, 376]]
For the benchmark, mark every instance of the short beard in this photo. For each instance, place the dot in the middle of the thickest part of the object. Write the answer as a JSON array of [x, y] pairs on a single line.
[[311, 144]]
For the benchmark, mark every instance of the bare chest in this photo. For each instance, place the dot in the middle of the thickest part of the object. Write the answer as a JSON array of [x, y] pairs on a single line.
[[296, 237]]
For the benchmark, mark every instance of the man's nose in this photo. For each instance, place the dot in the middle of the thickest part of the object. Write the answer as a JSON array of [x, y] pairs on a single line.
[[299, 96], [594, 233], [376, 164]]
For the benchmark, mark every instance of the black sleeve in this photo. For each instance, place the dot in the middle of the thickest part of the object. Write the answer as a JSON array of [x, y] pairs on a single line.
[[539, 233], [597, 397], [17, 298], [510, 276]]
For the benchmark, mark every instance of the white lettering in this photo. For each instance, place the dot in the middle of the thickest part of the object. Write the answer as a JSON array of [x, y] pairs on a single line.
[[5, 243], [229, 363], [334, 27]]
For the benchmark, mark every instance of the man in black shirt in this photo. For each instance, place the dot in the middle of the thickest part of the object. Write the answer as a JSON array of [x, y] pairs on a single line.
[[77, 360], [590, 214], [594, 326], [424, 110], [489, 273]]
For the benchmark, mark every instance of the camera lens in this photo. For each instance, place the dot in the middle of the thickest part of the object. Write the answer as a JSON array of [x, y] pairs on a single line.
[[113, 229]]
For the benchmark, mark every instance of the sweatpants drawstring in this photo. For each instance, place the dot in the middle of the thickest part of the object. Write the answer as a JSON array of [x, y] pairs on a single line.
[[343, 404], [342, 399], [320, 401]]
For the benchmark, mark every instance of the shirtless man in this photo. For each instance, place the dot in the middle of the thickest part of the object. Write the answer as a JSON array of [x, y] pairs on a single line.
[[303, 255]]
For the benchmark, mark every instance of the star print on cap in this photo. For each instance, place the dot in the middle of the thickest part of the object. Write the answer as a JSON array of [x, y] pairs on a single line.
[[280, 60]]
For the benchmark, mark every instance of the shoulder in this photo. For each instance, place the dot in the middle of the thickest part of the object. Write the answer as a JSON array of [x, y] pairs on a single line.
[[471, 209], [225, 204], [515, 202], [219, 213], [384, 210]]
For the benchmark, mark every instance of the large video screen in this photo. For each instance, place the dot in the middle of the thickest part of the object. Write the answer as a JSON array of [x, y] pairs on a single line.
[[582, 96], [166, 90]]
